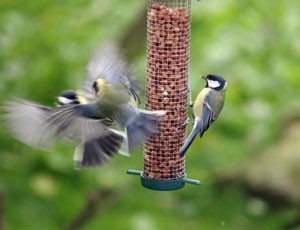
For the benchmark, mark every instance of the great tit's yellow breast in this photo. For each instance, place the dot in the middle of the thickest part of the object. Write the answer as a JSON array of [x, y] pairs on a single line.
[[215, 100], [198, 103]]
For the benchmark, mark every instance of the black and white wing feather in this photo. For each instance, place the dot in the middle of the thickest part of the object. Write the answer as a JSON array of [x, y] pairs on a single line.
[[208, 116], [75, 123], [26, 121], [99, 150]]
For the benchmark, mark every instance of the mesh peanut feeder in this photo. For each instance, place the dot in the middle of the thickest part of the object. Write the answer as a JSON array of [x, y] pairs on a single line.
[[168, 47]]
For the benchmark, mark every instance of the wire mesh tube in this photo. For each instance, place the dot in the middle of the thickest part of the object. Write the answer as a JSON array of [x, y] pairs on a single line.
[[168, 46], [168, 56]]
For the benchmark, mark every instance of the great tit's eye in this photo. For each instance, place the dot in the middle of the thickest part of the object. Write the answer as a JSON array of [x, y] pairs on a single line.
[[209, 77], [95, 87]]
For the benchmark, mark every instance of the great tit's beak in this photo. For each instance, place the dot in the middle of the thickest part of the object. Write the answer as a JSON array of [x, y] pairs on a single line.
[[204, 77]]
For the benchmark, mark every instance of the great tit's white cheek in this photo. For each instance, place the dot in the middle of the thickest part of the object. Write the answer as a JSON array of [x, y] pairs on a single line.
[[64, 100], [213, 84]]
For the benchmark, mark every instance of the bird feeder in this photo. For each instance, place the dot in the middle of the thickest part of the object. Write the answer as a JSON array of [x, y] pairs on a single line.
[[168, 49]]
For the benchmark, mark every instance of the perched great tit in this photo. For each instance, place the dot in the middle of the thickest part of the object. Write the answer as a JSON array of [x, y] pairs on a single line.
[[111, 93], [206, 108]]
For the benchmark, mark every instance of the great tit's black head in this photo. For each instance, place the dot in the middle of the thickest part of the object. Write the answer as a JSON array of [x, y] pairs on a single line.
[[215, 82], [68, 97]]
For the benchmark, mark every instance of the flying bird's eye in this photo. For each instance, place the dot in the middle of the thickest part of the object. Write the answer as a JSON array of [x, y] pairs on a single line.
[[95, 87]]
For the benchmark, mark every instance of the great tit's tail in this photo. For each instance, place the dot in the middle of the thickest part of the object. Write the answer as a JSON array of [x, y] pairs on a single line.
[[196, 130], [97, 151], [142, 124]]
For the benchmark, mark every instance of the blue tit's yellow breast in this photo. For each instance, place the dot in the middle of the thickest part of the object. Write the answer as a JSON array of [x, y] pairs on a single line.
[[82, 100], [110, 99]]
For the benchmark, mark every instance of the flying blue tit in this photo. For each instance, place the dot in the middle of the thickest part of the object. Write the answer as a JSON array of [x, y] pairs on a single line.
[[206, 108], [112, 94], [27, 121]]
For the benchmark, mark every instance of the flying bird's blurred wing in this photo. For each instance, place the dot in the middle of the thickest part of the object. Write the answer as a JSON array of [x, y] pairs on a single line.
[[108, 63], [26, 121], [99, 150], [76, 123]]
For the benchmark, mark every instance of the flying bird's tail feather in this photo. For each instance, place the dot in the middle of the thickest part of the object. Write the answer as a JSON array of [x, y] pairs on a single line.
[[97, 151], [144, 123]]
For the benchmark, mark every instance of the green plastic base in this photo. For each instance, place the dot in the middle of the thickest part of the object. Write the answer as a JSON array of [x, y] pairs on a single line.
[[162, 185]]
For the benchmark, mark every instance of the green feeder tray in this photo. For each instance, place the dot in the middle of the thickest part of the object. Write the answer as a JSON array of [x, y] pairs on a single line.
[[163, 185]]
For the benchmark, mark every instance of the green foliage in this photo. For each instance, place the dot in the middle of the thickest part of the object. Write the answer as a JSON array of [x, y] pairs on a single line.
[[45, 46]]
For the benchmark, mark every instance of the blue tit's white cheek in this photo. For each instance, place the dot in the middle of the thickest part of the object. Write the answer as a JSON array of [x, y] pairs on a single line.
[[213, 84], [64, 100]]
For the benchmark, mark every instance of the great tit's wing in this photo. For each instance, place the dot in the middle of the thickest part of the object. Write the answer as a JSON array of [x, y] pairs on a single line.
[[108, 63], [26, 121], [77, 123], [208, 114], [99, 150]]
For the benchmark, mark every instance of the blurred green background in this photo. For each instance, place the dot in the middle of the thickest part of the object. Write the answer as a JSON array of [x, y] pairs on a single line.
[[248, 161]]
